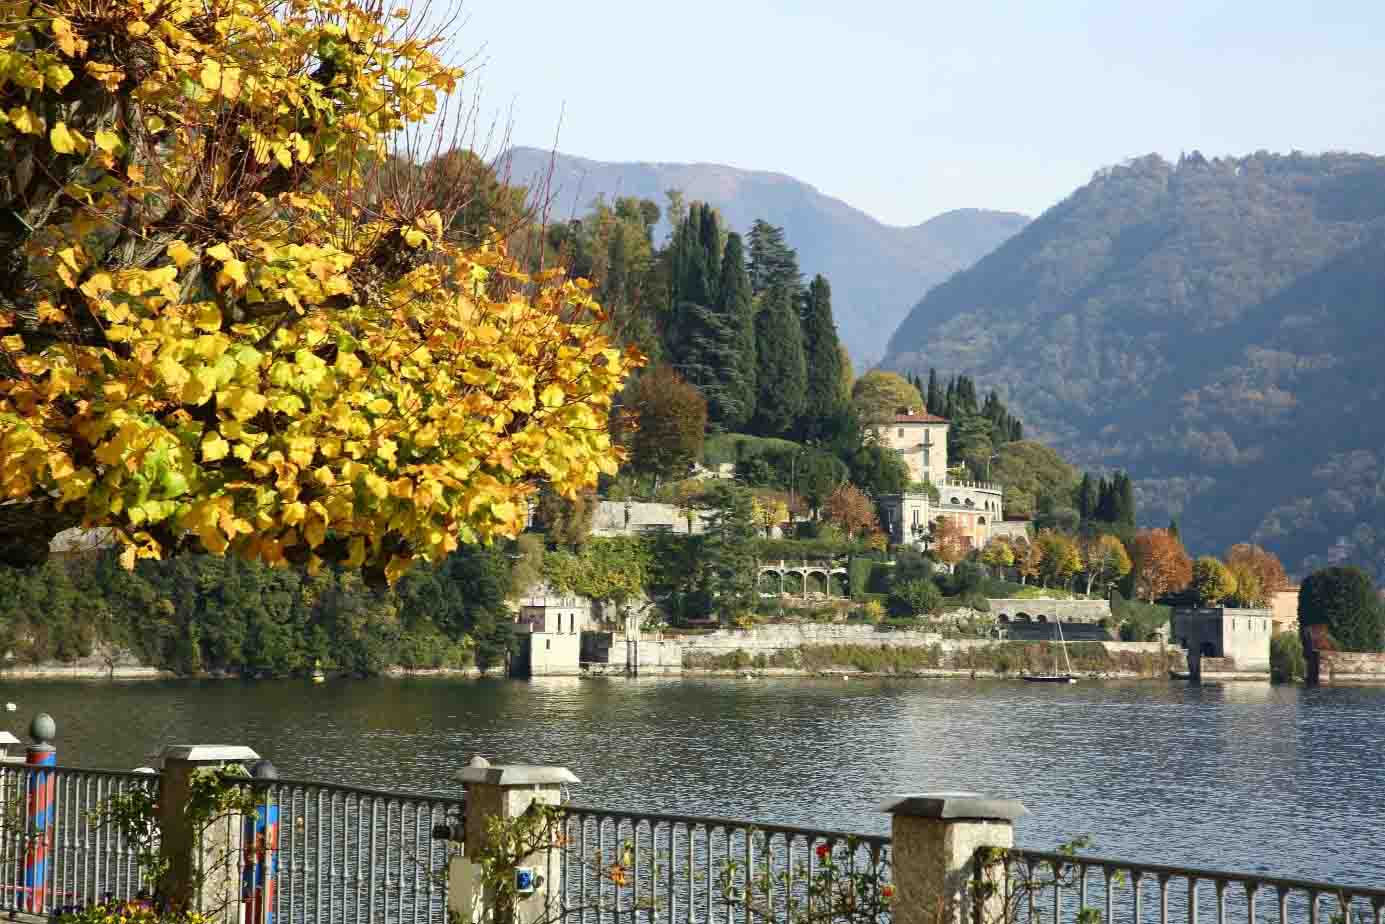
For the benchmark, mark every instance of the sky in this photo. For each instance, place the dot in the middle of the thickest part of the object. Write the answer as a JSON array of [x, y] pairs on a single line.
[[908, 108]]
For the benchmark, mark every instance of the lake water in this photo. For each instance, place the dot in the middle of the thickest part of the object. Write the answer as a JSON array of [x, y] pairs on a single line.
[[1256, 778]]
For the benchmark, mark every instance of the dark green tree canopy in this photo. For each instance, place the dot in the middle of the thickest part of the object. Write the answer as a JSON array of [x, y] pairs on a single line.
[[781, 376], [821, 356], [1344, 600]]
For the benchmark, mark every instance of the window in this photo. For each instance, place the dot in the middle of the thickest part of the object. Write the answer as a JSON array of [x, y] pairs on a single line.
[[547, 644], [901, 433], [916, 516]]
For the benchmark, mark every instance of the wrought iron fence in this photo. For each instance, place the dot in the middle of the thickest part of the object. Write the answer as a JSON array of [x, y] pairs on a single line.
[[321, 852], [1061, 888], [638, 867], [72, 858]]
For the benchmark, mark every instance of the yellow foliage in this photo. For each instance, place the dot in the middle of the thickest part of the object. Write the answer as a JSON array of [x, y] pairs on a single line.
[[260, 383]]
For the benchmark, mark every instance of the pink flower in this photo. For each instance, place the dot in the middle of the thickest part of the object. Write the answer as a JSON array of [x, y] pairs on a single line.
[[824, 851]]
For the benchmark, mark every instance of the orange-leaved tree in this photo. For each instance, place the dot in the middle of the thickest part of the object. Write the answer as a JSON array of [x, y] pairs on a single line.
[[1258, 572], [219, 333], [849, 508], [1160, 563]]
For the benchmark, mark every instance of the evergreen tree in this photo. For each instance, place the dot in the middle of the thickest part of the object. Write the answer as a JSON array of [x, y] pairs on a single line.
[[1105, 503], [772, 261], [823, 394], [1126, 507], [780, 376], [729, 551], [719, 345], [935, 401], [1086, 498], [693, 258], [1173, 527]]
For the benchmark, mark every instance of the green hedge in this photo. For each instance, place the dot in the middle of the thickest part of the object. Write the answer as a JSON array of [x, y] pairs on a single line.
[[720, 448]]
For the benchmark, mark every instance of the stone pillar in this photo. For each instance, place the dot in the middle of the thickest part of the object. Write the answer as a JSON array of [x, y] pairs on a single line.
[[935, 838], [506, 791], [202, 872]]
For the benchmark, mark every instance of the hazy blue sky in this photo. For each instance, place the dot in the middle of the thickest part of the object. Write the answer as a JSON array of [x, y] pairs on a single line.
[[906, 109]]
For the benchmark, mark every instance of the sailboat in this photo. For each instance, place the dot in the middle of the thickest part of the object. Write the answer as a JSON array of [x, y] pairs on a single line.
[[1056, 676]]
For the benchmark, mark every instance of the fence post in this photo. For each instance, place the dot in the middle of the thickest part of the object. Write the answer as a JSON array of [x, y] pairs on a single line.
[[934, 840], [202, 867], [506, 791], [38, 793]]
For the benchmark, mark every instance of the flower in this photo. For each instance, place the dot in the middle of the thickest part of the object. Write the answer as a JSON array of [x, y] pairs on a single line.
[[824, 851], [887, 891], [617, 874]]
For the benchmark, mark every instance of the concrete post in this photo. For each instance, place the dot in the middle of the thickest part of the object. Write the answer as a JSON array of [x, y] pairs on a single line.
[[506, 791], [935, 838], [202, 872]]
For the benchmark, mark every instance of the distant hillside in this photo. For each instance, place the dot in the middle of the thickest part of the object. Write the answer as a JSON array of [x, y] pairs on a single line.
[[875, 269], [1213, 326]]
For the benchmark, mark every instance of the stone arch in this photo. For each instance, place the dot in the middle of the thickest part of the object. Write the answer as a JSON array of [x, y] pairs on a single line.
[[1041, 618], [1004, 617], [816, 582], [1022, 617], [980, 521], [793, 583], [836, 584], [969, 502]]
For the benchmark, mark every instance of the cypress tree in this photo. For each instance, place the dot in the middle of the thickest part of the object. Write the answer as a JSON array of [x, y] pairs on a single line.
[[935, 394], [780, 375], [821, 357], [726, 360], [1086, 497], [1105, 502]]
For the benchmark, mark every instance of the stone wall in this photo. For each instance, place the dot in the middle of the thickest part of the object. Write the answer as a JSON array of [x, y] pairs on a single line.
[[1052, 609], [610, 518], [1347, 667]]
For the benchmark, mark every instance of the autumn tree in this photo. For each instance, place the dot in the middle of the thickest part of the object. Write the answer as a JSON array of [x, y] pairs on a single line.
[[998, 554], [850, 509], [1160, 564], [671, 418], [878, 395], [1105, 560], [771, 508], [947, 541], [213, 336], [1259, 570], [1212, 580], [1058, 558], [565, 521]]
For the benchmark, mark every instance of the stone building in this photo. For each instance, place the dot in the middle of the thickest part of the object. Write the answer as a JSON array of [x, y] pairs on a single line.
[[977, 507], [1224, 643], [550, 626]]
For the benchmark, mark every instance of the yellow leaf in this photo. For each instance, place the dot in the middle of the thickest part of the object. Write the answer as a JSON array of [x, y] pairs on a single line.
[[127, 558], [65, 140], [283, 156], [211, 74], [137, 29], [107, 140], [234, 270], [414, 237], [553, 395], [214, 448], [208, 318], [180, 253], [380, 406], [99, 283], [220, 252], [25, 121]]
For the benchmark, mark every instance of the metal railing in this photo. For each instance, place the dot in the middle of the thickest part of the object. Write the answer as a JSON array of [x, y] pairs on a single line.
[[1061, 888], [625, 866], [78, 858], [347, 855]]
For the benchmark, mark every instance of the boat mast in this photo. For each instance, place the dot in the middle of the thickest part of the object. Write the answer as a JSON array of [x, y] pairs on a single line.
[[1064, 645]]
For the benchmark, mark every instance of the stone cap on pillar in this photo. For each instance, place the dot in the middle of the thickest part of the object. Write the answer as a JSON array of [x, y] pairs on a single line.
[[7, 739], [209, 753], [955, 806], [483, 771]]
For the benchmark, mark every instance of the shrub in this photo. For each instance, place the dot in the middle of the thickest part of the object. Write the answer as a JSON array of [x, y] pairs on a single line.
[[1287, 664], [858, 576], [915, 598], [1139, 622]]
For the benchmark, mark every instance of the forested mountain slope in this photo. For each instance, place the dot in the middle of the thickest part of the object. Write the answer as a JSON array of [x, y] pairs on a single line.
[[875, 268], [1215, 327]]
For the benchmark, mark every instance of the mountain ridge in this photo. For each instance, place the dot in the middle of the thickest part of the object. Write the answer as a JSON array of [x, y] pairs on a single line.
[[874, 267], [1206, 325]]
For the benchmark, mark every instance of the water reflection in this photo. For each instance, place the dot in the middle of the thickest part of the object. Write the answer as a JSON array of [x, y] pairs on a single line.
[[1239, 776]]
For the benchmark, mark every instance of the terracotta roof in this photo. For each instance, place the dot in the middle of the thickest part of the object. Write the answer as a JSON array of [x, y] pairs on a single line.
[[919, 418]]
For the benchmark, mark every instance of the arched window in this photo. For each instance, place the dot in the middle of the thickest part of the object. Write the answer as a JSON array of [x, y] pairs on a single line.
[[955, 502], [980, 521], [970, 503]]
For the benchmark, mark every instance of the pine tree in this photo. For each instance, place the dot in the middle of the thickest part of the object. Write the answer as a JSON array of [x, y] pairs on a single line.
[[772, 261], [823, 370], [692, 258], [935, 395], [780, 375], [1105, 503]]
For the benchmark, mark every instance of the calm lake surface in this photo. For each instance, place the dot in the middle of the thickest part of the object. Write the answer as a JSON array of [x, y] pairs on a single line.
[[1255, 778]]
